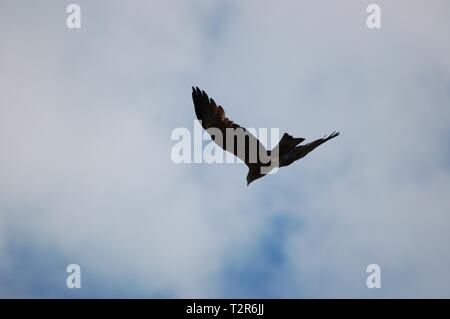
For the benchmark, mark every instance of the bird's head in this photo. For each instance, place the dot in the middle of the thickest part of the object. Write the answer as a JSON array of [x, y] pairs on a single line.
[[253, 175]]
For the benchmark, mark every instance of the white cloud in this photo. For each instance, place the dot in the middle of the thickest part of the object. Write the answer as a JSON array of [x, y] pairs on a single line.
[[86, 116]]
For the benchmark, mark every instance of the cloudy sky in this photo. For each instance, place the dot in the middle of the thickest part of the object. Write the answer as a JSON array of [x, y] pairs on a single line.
[[86, 175]]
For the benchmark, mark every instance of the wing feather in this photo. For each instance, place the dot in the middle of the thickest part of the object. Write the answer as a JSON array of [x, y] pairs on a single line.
[[213, 116]]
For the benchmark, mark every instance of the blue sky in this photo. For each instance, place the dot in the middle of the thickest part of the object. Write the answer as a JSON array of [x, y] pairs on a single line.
[[86, 175]]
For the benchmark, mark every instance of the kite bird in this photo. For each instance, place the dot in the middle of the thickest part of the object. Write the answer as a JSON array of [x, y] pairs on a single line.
[[243, 144]]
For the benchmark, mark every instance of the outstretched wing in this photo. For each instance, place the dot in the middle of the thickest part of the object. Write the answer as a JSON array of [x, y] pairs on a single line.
[[244, 145]]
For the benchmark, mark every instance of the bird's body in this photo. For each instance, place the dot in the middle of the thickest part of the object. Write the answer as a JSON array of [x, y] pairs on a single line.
[[240, 142]]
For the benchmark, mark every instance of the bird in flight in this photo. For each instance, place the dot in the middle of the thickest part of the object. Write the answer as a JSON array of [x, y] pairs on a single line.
[[240, 142]]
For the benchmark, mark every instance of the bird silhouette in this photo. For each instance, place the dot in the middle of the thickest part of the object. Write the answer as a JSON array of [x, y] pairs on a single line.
[[240, 142]]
